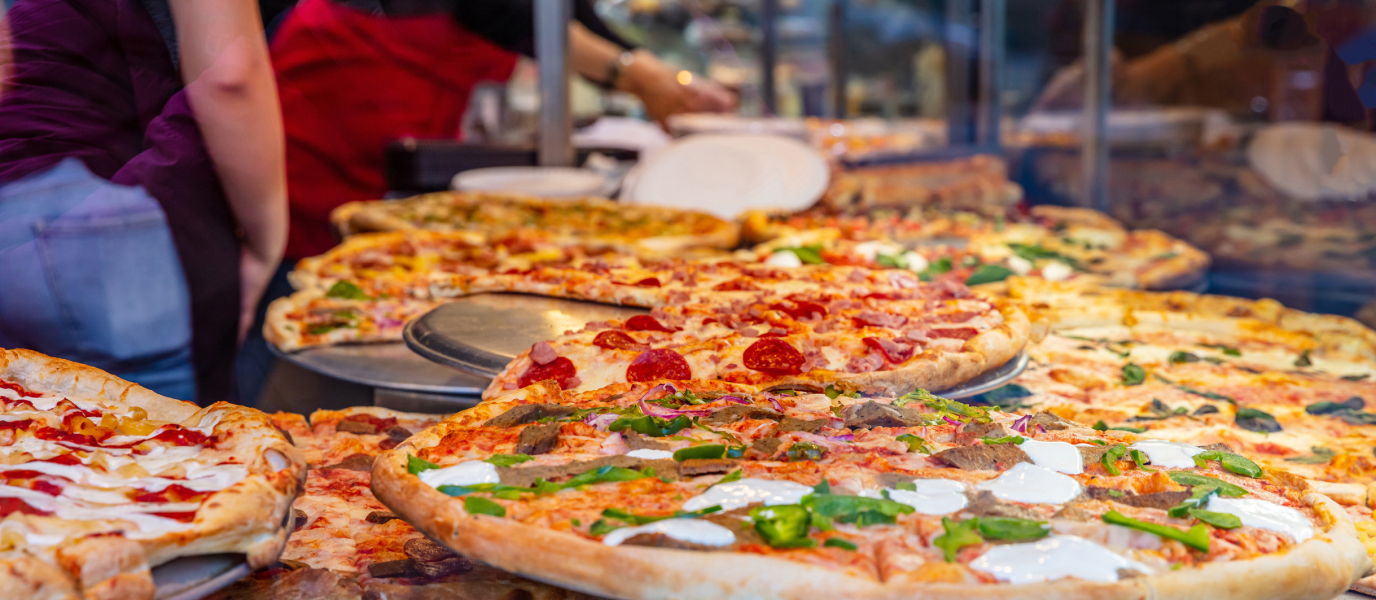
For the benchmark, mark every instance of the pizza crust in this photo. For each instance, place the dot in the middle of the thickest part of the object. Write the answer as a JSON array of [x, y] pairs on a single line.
[[1320, 567], [380, 216], [247, 517]]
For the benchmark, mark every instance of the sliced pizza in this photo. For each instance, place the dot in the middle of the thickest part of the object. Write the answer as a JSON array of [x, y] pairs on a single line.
[[102, 480]]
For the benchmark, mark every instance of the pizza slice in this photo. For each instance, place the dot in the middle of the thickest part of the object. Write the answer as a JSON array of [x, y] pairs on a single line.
[[349, 546], [102, 480]]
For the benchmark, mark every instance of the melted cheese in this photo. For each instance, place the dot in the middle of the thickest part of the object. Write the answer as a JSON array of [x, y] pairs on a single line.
[[1032, 484], [692, 531], [147, 525], [199, 477], [1056, 271], [744, 492], [649, 454], [785, 259], [468, 473], [915, 262], [1171, 455], [1057, 456], [932, 496], [1265, 515], [1054, 557]]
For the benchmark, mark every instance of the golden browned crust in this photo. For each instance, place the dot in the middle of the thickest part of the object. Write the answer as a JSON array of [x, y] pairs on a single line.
[[32, 578], [247, 517], [381, 215], [941, 370], [360, 216], [1187, 267], [1326, 564], [935, 370]]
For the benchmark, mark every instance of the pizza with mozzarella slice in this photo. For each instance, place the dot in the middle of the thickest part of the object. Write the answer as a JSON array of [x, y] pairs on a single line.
[[664, 489]]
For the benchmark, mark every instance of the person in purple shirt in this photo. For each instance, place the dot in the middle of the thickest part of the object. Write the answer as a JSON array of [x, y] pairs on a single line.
[[142, 186]]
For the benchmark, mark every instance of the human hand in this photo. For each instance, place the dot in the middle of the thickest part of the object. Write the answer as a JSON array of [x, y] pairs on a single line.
[[667, 91], [255, 272]]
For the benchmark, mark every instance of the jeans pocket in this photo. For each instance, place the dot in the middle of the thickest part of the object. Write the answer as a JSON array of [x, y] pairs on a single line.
[[116, 279]]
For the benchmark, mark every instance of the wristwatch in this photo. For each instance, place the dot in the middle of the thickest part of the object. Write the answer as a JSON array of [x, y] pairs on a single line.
[[615, 68]]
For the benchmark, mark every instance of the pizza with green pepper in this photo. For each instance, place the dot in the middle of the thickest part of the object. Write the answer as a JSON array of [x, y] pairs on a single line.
[[711, 489]]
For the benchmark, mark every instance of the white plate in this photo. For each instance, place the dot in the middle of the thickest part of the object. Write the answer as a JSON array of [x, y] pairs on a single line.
[[727, 174], [534, 181]]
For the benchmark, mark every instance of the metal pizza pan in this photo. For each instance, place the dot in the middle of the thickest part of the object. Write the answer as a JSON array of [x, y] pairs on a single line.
[[989, 380], [390, 366], [195, 577], [480, 334]]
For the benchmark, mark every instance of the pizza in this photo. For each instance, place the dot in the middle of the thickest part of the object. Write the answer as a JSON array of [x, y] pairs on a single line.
[[712, 489], [1274, 383], [816, 325], [977, 184], [1050, 242], [805, 327], [104, 480], [347, 545], [1229, 210], [869, 139], [596, 223]]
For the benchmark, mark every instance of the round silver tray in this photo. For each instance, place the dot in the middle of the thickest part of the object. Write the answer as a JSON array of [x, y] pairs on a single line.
[[387, 365], [480, 334], [989, 380], [195, 577]]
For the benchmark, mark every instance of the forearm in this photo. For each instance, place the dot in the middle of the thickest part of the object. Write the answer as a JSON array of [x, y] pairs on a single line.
[[592, 57], [230, 85]]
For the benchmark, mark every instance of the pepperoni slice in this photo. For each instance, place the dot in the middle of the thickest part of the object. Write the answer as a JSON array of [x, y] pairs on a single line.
[[13, 505], [616, 340], [801, 309], [649, 282], [774, 356], [960, 333], [645, 323], [739, 284], [18, 389], [957, 317], [660, 363], [893, 352], [560, 370]]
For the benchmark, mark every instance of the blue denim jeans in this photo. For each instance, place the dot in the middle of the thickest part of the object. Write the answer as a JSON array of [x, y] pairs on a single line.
[[88, 273]]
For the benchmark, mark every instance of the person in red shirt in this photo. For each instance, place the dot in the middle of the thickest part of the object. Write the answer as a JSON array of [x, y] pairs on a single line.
[[355, 75]]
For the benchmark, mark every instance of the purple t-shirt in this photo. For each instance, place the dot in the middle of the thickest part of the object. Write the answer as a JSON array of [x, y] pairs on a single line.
[[93, 79]]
